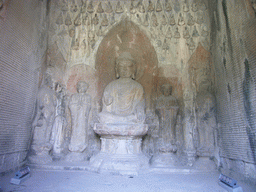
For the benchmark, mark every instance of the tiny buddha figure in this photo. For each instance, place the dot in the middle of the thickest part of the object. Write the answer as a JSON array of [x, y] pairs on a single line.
[[123, 99]]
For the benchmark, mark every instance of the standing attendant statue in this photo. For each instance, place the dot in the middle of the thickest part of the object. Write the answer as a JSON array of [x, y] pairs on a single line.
[[167, 109], [43, 122], [206, 123], [57, 137], [80, 106]]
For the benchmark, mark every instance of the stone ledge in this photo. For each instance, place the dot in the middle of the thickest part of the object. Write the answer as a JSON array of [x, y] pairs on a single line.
[[84, 166]]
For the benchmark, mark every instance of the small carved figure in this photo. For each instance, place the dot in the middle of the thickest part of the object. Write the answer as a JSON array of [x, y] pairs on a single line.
[[108, 7], [167, 109], [177, 33], [104, 21], [151, 6], [112, 19], [168, 6], [86, 20], [165, 45], [138, 19], [181, 20], [161, 33], [84, 44], [68, 20], [64, 6], [154, 20], [91, 39], [133, 7], [83, 8], [158, 6], [185, 7], [164, 22], [95, 20], [191, 20], [141, 7], [119, 8], [77, 21], [73, 8], [195, 32], [172, 20], [100, 9], [186, 34], [202, 6], [100, 32], [90, 8], [191, 44], [72, 32], [169, 33], [80, 106], [194, 6], [205, 32], [177, 6], [75, 44], [200, 18]]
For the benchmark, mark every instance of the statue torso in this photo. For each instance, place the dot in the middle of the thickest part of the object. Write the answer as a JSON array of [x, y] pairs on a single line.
[[126, 94]]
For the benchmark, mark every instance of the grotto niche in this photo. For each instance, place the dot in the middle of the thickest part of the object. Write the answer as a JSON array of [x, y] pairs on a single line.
[[160, 131]]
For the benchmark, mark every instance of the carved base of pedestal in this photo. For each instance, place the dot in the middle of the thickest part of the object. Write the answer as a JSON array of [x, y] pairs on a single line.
[[120, 155], [75, 157], [41, 153], [40, 159], [165, 160], [204, 163], [126, 164]]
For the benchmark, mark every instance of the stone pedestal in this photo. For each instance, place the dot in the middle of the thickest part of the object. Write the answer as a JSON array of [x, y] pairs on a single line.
[[41, 153], [120, 149]]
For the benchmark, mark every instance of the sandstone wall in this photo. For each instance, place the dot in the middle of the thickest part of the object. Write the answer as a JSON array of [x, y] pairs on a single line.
[[233, 34], [22, 56]]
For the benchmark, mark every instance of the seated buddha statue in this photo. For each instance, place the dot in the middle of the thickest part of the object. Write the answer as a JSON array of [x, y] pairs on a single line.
[[123, 99]]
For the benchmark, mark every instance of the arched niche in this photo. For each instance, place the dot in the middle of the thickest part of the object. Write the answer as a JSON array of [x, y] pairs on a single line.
[[127, 36]]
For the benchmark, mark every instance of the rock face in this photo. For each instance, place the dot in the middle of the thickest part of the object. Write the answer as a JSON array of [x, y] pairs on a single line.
[[121, 124], [130, 54]]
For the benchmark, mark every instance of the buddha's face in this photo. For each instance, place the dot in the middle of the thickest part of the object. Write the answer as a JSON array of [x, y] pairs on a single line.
[[125, 69], [82, 87], [167, 90]]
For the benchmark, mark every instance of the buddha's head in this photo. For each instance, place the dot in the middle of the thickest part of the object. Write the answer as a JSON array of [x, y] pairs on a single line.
[[125, 66], [82, 87], [166, 89]]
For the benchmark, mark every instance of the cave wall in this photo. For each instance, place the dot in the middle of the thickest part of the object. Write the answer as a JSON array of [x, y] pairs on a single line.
[[233, 34], [179, 32], [22, 57]]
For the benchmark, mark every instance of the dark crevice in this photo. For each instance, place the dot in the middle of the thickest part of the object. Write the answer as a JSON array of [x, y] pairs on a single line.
[[225, 11], [248, 108]]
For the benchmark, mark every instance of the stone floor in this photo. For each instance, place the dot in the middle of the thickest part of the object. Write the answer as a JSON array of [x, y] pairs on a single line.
[[80, 181]]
